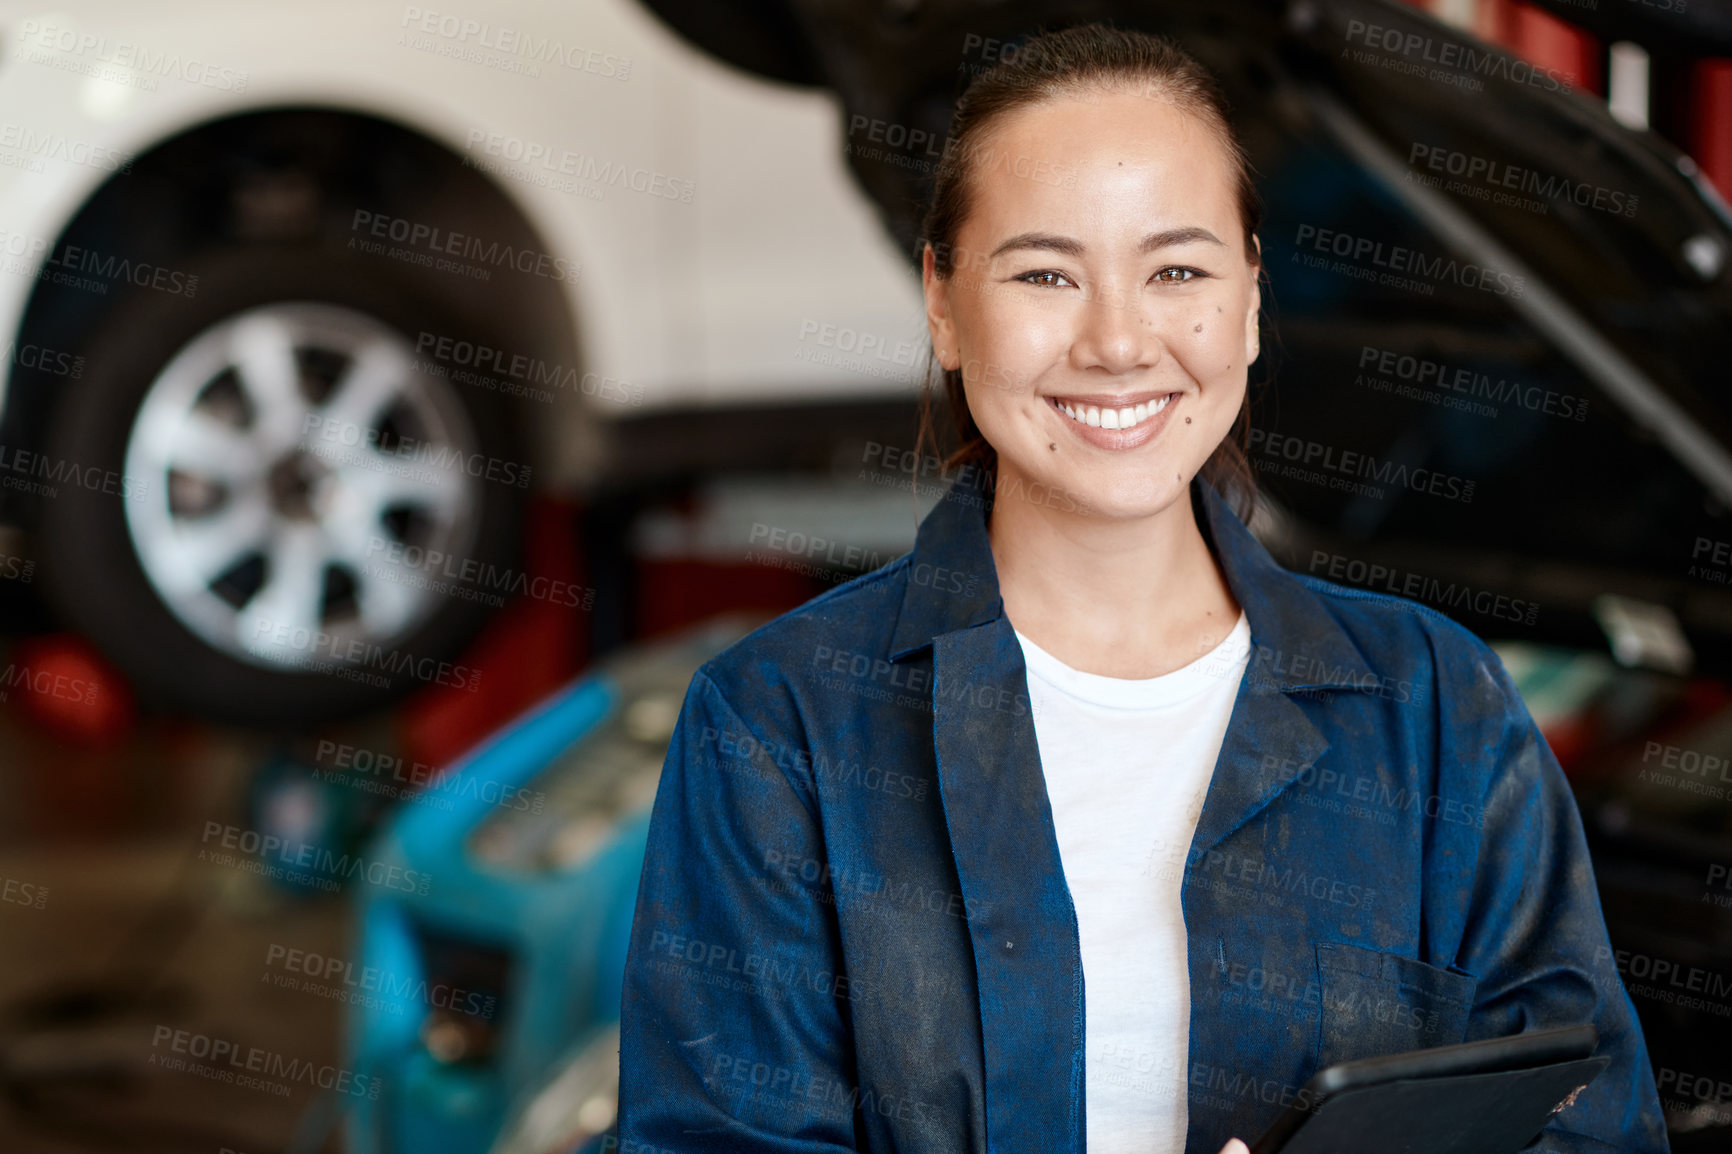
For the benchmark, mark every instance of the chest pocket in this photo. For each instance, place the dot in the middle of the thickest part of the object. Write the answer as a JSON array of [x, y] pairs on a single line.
[[1380, 1003]]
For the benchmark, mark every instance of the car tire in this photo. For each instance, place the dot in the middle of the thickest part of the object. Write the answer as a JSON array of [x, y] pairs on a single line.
[[109, 539]]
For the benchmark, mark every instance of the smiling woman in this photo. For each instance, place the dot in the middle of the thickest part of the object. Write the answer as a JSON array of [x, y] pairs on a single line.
[[1133, 912], [1125, 306], [1102, 85]]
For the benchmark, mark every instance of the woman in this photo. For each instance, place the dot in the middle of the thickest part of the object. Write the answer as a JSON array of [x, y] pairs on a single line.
[[1085, 825]]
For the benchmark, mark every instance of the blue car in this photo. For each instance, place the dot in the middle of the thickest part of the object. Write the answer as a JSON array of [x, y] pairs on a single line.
[[491, 1001]]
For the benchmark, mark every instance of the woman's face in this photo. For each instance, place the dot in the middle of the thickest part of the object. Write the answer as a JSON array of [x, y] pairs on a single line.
[[1100, 274]]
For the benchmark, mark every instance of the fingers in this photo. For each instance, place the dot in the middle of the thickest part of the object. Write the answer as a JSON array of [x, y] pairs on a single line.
[[1235, 1146]]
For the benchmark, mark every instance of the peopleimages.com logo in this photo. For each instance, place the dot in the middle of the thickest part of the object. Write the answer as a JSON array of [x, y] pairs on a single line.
[[225, 1060], [272, 855], [1358, 471], [1462, 65], [1367, 258]]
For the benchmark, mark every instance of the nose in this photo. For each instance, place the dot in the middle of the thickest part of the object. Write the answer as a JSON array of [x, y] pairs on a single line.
[[1114, 333]]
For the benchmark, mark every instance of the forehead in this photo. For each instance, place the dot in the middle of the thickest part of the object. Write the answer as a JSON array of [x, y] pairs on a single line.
[[1131, 158]]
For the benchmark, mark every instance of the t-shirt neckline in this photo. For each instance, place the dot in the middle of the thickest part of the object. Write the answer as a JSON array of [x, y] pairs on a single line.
[[1225, 662]]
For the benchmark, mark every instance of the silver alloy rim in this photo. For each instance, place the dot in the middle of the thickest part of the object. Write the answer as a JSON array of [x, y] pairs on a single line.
[[298, 490]]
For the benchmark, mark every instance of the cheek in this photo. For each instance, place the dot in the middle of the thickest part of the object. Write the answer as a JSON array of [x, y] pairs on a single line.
[[1211, 347], [1213, 331], [1007, 343]]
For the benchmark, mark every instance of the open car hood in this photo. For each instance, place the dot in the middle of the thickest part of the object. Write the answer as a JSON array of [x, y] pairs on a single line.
[[1474, 273]]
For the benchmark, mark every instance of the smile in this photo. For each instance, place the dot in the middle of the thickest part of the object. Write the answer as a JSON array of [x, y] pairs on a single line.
[[1110, 417]]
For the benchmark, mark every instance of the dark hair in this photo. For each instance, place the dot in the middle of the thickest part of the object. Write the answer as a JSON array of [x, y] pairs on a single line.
[[1075, 61]]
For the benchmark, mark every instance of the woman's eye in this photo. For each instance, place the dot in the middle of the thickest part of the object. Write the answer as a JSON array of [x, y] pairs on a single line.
[[1178, 274], [1049, 278]]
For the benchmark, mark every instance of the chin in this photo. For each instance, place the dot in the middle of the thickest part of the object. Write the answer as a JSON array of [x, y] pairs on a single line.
[[1127, 498]]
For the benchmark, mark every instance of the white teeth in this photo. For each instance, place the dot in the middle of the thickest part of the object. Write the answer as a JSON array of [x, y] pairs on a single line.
[[1124, 418]]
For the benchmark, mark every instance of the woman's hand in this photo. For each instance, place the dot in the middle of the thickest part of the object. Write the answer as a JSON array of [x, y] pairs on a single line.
[[1235, 1146]]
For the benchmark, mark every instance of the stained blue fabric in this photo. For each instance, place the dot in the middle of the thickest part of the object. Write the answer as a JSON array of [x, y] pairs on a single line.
[[853, 930]]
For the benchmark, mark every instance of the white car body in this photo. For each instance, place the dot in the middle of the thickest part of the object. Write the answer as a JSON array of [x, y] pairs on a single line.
[[742, 266]]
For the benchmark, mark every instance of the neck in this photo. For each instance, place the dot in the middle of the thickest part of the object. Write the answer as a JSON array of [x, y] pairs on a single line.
[[1120, 597]]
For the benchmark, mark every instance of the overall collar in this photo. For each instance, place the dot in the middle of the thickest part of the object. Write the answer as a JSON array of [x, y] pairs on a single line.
[[1296, 644], [1025, 939]]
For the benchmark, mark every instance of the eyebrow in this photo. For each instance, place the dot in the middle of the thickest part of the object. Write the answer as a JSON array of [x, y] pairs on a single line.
[[1051, 242]]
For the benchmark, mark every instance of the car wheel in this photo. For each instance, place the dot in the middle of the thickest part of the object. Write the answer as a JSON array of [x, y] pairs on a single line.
[[277, 504]]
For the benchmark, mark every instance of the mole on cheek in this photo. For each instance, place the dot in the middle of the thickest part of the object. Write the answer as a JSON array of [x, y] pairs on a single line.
[[1199, 327]]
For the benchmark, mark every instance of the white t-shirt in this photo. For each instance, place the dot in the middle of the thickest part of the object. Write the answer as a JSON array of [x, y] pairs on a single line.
[[1127, 764]]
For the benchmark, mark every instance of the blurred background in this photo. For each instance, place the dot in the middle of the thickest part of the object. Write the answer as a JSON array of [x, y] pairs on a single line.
[[400, 403]]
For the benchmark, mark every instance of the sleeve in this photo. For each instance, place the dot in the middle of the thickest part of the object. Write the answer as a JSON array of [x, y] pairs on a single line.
[[733, 1032], [1535, 936]]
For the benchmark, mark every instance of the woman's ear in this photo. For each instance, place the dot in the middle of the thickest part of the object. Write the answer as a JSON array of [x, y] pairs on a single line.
[[1253, 341], [938, 314]]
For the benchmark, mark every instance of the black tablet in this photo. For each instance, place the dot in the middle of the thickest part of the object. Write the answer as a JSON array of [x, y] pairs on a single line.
[[1488, 1097]]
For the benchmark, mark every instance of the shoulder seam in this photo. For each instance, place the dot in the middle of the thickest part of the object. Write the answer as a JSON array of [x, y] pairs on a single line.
[[862, 581], [803, 611], [1331, 589], [800, 793]]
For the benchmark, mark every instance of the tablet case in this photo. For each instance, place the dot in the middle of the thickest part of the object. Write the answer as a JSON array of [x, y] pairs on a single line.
[[1492, 1113]]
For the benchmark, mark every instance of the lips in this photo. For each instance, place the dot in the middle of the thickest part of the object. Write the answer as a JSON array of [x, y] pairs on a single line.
[[1112, 412], [1116, 422]]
